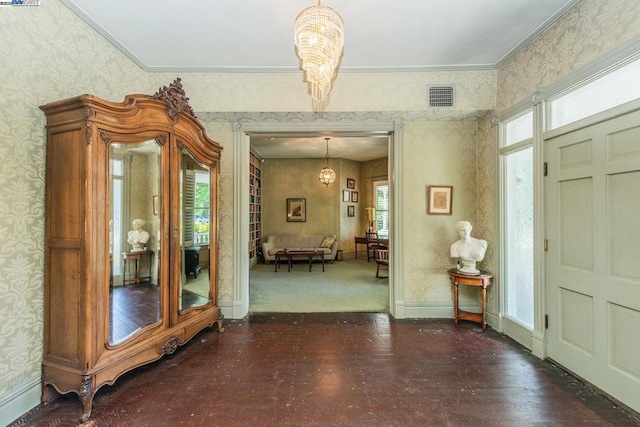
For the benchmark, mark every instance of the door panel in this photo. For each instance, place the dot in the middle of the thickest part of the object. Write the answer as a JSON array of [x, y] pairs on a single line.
[[593, 283], [576, 216]]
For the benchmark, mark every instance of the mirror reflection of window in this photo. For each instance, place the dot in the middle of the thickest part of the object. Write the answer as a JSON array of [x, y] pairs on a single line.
[[195, 203], [116, 228], [202, 204]]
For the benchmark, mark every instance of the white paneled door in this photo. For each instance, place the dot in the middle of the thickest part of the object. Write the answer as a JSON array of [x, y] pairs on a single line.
[[593, 258]]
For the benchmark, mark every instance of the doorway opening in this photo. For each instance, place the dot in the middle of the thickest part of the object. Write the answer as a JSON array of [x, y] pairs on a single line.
[[245, 134]]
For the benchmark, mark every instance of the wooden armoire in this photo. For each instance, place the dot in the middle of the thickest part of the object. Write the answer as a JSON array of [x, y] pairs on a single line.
[[115, 297]]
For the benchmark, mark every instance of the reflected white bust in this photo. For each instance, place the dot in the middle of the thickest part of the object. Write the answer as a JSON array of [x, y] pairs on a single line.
[[468, 250], [137, 237]]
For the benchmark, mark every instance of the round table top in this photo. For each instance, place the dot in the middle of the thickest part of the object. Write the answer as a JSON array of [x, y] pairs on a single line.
[[483, 273]]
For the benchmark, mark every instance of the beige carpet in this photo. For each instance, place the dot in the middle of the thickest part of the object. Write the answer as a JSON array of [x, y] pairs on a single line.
[[345, 286], [199, 285]]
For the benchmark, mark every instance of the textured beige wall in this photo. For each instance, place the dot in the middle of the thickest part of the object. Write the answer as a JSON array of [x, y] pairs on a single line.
[[350, 226], [222, 133], [286, 92], [435, 153], [486, 194], [298, 178]]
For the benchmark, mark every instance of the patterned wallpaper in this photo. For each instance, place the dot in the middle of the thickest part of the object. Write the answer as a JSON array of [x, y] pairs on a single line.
[[435, 153], [350, 226], [352, 92], [49, 54], [298, 178], [486, 194], [588, 30]]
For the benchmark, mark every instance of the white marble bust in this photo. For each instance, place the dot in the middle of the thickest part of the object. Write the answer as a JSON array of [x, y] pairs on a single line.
[[137, 237], [468, 249]]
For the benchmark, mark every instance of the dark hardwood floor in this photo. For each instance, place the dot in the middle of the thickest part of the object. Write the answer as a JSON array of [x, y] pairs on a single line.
[[343, 370], [132, 308]]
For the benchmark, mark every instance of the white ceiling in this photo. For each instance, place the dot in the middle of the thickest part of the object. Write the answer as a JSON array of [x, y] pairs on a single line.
[[360, 148], [380, 35], [250, 35]]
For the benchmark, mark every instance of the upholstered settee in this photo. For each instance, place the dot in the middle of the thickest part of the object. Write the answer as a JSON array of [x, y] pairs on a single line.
[[279, 242]]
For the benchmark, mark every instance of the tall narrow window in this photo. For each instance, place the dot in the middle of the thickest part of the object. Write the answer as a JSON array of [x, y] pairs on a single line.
[[381, 194], [517, 218]]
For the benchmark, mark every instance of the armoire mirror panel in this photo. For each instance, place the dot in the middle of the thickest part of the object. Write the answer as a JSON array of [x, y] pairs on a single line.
[[195, 217], [134, 238]]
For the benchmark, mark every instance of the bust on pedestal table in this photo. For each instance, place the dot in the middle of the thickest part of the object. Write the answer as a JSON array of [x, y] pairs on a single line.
[[468, 250], [137, 237]]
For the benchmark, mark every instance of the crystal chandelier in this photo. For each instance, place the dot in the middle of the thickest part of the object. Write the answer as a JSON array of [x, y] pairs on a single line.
[[327, 175], [319, 34]]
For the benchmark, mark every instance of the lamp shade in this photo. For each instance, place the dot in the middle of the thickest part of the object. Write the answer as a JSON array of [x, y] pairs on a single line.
[[371, 214]]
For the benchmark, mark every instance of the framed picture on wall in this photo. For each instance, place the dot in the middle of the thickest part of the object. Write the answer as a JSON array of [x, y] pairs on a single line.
[[351, 183], [351, 210], [440, 200], [345, 195], [354, 197], [297, 210]]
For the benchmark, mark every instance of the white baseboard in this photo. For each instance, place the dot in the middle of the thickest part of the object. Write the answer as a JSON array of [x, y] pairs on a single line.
[[538, 347], [229, 308], [426, 310], [21, 402]]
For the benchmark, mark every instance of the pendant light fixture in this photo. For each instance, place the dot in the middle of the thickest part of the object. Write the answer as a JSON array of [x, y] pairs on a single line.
[[327, 175], [319, 38]]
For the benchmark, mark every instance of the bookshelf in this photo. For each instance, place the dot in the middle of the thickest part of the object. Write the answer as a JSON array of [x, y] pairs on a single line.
[[255, 211]]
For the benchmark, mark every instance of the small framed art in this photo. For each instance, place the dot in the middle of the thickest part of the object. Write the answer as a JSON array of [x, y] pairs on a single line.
[[439, 199], [345, 195], [351, 183], [354, 197], [351, 210], [296, 210]]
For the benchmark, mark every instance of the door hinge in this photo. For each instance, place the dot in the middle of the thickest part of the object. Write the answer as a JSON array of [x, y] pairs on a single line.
[[546, 245], [545, 168], [546, 321]]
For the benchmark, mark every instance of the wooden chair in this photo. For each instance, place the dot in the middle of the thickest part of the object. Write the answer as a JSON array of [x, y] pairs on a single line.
[[382, 259], [372, 244]]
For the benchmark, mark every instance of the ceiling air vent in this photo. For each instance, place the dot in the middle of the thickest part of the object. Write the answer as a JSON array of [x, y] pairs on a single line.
[[441, 96]]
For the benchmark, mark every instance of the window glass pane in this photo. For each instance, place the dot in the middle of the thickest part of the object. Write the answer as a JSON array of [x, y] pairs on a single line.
[[519, 129], [201, 209], [382, 209], [518, 181], [115, 226], [611, 90]]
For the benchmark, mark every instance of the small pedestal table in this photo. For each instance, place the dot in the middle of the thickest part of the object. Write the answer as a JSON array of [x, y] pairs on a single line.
[[482, 280]]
